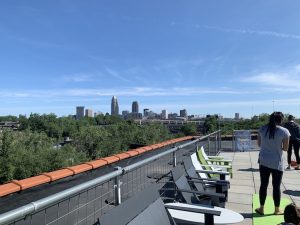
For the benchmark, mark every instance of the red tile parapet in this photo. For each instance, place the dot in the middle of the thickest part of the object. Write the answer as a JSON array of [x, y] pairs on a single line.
[[19, 185], [59, 174]]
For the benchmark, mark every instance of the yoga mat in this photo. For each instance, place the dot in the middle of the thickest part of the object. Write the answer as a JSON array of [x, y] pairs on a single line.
[[268, 218]]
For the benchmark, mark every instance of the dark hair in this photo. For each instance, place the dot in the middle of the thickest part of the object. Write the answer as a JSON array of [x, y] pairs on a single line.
[[292, 214], [274, 119], [290, 117]]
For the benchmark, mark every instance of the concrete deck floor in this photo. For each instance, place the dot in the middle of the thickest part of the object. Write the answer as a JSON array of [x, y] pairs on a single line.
[[246, 182]]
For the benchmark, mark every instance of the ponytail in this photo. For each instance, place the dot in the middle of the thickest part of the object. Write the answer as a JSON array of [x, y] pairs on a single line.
[[275, 118]]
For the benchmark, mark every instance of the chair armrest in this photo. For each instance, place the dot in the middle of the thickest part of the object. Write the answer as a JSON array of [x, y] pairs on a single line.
[[217, 166], [195, 210], [212, 172], [218, 157], [203, 193], [219, 160], [209, 180]]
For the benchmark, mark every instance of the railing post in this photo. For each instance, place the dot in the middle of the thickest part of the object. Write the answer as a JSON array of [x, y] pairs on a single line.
[[233, 144], [208, 145], [219, 141], [117, 188], [216, 144], [174, 159]]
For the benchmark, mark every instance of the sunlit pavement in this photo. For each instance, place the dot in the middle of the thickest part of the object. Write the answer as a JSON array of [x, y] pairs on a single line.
[[246, 182]]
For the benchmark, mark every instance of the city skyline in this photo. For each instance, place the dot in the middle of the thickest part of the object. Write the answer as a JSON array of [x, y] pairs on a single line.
[[207, 57]]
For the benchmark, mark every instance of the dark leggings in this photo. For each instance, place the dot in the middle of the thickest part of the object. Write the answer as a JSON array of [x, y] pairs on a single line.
[[294, 144], [264, 181]]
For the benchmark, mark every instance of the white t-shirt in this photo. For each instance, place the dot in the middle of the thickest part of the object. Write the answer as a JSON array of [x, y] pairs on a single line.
[[271, 149]]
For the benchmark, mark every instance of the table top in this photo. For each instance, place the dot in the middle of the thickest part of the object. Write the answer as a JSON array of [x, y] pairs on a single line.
[[227, 216]]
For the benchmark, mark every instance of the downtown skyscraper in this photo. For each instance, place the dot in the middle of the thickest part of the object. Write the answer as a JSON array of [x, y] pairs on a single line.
[[135, 107], [114, 106]]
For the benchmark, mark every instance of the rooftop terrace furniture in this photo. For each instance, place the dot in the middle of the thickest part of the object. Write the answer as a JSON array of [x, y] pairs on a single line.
[[227, 216], [185, 193], [147, 208], [215, 165], [209, 184], [216, 161], [208, 172]]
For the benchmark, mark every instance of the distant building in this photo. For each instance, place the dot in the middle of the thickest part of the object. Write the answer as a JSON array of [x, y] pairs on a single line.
[[172, 116], [89, 113], [135, 107], [114, 106], [79, 112], [146, 112], [183, 113], [98, 113], [136, 115], [236, 116], [125, 113], [164, 114], [10, 124]]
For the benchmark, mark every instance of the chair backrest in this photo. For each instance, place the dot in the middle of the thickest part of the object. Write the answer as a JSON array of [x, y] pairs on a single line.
[[191, 172], [203, 159], [197, 165], [145, 207], [181, 182]]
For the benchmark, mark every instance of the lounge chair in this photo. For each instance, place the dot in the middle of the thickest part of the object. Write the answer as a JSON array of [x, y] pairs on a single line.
[[193, 191], [209, 184], [208, 164], [216, 161], [147, 208], [206, 171]]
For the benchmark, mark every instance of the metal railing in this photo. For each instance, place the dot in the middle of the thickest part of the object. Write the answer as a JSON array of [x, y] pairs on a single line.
[[86, 202]]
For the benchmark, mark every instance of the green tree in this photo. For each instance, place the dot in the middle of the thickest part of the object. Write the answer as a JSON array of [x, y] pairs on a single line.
[[210, 124], [189, 129]]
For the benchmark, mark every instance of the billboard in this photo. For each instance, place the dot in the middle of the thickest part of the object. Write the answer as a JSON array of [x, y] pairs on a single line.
[[242, 139]]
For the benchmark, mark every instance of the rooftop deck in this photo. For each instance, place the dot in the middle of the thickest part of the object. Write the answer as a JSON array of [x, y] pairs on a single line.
[[246, 182], [86, 206]]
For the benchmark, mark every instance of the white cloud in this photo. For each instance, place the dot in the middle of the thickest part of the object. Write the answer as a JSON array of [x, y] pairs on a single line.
[[80, 77], [116, 74], [135, 91], [287, 81], [251, 32]]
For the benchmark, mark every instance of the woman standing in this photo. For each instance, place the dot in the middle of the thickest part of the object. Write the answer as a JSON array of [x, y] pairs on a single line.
[[272, 140]]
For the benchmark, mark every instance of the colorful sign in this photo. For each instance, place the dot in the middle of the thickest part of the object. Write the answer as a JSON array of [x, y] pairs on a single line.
[[242, 140]]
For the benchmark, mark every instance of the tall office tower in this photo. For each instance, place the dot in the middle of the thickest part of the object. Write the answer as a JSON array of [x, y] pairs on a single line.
[[135, 107], [236, 116], [183, 113], [164, 114], [79, 112], [89, 113], [114, 106], [146, 112]]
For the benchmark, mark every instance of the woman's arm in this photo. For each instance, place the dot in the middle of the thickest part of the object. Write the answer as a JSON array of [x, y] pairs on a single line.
[[285, 144]]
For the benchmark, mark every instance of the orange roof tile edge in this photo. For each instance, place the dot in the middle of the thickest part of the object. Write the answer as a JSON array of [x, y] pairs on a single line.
[[9, 188], [140, 150], [132, 153], [32, 181], [18, 185], [111, 159], [122, 155], [80, 168], [97, 163], [59, 174]]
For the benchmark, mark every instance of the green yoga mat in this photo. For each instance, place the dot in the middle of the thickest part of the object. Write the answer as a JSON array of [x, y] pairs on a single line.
[[268, 218]]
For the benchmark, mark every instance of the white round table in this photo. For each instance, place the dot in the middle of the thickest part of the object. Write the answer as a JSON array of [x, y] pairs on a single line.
[[227, 216]]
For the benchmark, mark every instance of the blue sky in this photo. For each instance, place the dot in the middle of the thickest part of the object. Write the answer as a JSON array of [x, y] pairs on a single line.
[[204, 56]]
